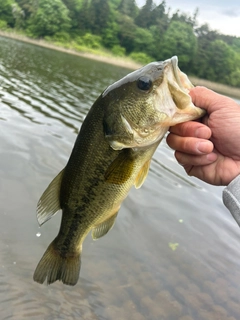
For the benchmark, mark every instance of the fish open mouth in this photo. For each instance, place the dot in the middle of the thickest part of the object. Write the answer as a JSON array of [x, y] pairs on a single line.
[[181, 78], [179, 86]]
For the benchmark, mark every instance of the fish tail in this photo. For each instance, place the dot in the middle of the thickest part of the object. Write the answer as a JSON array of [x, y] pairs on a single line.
[[57, 266]]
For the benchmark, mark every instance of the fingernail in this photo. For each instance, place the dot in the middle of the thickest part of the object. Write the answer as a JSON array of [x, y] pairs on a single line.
[[212, 156], [203, 133], [200, 133], [203, 146]]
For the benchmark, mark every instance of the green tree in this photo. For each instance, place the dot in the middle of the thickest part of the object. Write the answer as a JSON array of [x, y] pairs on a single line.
[[221, 62], [109, 34], [143, 41], [74, 7], [19, 16], [158, 14], [6, 12], [140, 57], [184, 17], [51, 17], [205, 37], [235, 44], [29, 7], [126, 33], [128, 8], [83, 17], [180, 40], [235, 78], [98, 15], [144, 18], [160, 20]]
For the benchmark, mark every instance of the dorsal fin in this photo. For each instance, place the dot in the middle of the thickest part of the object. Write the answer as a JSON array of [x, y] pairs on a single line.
[[102, 228], [142, 175], [49, 203]]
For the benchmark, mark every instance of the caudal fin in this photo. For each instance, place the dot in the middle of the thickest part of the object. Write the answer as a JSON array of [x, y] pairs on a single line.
[[53, 266]]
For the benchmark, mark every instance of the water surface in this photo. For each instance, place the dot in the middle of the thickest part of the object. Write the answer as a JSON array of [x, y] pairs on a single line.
[[174, 250]]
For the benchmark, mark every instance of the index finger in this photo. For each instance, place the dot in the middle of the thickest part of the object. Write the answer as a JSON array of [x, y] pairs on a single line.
[[191, 129]]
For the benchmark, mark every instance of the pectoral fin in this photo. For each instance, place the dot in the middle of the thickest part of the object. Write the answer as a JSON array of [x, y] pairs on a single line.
[[120, 170], [142, 175], [101, 229], [49, 203]]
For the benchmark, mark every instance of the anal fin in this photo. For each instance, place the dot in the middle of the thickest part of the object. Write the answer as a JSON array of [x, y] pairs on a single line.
[[102, 228]]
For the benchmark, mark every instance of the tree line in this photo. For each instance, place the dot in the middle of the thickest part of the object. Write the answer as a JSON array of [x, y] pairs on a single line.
[[145, 34]]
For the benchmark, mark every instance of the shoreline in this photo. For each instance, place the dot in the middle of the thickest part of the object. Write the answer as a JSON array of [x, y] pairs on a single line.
[[121, 62], [218, 87], [117, 61]]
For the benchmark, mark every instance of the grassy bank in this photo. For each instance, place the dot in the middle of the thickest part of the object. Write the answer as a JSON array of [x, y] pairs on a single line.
[[125, 62], [98, 55]]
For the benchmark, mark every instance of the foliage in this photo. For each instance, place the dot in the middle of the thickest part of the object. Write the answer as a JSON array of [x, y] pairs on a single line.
[[6, 12], [180, 40], [221, 62], [118, 51], [143, 41], [235, 78], [18, 15], [147, 33], [110, 35], [73, 7], [128, 8], [144, 18], [126, 34], [98, 15], [205, 38], [3, 25], [28, 7], [51, 17], [140, 57], [61, 37], [183, 17], [91, 41]]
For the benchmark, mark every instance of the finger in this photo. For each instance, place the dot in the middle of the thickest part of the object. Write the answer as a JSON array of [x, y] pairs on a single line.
[[188, 160], [189, 145], [191, 129]]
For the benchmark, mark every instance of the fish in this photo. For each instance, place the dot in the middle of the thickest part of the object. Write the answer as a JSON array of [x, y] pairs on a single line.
[[112, 153]]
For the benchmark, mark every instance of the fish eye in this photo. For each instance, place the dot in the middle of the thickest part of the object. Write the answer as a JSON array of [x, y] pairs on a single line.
[[144, 83]]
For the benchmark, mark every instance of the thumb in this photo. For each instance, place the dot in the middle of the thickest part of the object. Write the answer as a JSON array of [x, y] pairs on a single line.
[[207, 99]]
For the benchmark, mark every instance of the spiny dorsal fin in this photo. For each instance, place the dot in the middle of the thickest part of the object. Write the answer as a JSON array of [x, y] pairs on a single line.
[[120, 170], [142, 175], [101, 229], [49, 203]]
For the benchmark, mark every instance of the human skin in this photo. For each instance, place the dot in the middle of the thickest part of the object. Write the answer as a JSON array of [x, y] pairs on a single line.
[[210, 149]]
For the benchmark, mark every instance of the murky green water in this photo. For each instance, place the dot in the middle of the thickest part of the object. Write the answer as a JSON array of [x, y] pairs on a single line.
[[133, 272]]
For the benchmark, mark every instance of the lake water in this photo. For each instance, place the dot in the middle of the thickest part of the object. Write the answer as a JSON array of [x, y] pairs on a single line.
[[174, 252]]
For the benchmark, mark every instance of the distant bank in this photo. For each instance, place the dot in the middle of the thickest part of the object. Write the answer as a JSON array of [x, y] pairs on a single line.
[[121, 62]]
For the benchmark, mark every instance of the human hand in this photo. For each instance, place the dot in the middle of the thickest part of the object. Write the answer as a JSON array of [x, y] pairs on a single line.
[[209, 150]]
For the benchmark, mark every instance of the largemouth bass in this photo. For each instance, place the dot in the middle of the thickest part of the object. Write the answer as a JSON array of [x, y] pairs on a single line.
[[112, 153]]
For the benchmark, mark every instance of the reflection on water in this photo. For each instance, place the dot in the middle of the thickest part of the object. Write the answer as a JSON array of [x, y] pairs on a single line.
[[174, 251]]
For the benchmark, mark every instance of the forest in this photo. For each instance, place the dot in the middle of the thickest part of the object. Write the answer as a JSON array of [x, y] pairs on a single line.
[[152, 32]]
